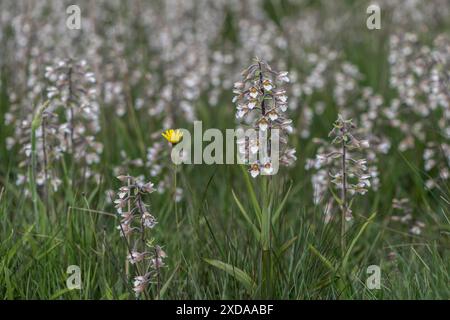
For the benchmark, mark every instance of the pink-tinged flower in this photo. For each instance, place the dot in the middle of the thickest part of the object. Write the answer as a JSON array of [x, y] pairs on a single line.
[[159, 252], [348, 215], [252, 104], [136, 257], [241, 143], [267, 168], [253, 92], [140, 284], [148, 220], [157, 262], [282, 98], [254, 170], [126, 217], [119, 204], [241, 111], [148, 187], [288, 158], [267, 85], [287, 125], [122, 194], [283, 76], [364, 143], [254, 146], [263, 124], [124, 178], [273, 115], [239, 85], [283, 107], [125, 229]]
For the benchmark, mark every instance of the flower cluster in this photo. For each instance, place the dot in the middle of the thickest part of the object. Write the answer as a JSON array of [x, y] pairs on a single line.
[[72, 87], [337, 164], [262, 102], [135, 219], [69, 124], [405, 217], [72, 94], [421, 109]]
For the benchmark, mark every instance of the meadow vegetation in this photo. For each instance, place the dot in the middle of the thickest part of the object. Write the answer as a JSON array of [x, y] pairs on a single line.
[[86, 177]]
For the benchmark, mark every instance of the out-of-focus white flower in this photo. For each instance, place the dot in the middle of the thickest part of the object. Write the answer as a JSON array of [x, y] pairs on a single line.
[[283, 76]]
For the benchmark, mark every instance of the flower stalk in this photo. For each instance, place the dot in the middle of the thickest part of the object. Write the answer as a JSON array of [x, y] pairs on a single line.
[[343, 195], [349, 175], [261, 102], [146, 256]]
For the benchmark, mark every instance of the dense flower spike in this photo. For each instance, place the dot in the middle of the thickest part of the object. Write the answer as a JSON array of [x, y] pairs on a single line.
[[261, 100], [420, 75], [72, 88], [337, 165], [135, 219], [69, 124]]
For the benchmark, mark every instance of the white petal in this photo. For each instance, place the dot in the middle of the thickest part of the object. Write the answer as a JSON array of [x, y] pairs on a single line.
[[254, 173], [263, 125]]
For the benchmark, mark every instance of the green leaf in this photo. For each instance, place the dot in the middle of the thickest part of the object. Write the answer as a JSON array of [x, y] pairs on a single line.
[[237, 273], [59, 293], [277, 213], [420, 258], [246, 216], [46, 252], [265, 229], [336, 198], [252, 193], [325, 261], [355, 239], [166, 285], [287, 244]]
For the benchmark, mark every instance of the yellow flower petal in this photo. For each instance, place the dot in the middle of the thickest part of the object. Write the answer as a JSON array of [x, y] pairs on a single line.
[[173, 136]]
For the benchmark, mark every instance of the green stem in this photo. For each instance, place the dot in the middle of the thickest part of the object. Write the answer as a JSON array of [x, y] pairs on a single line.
[[32, 174], [343, 197], [175, 194], [266, 244], [35, 124]]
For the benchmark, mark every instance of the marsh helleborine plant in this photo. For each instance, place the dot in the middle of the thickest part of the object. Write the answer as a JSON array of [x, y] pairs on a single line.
[[262, 101]]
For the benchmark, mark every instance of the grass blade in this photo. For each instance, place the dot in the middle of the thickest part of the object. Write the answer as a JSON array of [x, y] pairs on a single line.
[[355, 239], [237, 273], [325, 261], [246, 216], [277, 213], [252, 193]]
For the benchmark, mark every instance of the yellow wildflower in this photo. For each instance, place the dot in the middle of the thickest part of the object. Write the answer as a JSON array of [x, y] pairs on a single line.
[[173, 136]]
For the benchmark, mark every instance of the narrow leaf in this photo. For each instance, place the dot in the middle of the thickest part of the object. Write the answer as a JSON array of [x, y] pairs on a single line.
[[166, 285], [322, 258], [355, 239], [277, 213], [252, 193], [246, 216], [287, 244], [237, 273]]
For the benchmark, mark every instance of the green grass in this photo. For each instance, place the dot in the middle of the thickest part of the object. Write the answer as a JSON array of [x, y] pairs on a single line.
[[34, 259], [218, 219]]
